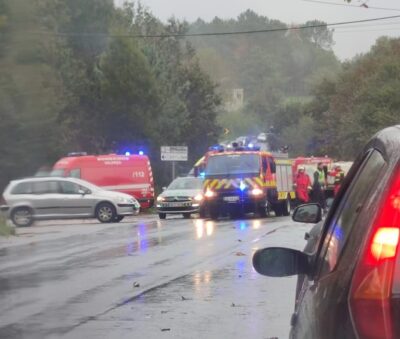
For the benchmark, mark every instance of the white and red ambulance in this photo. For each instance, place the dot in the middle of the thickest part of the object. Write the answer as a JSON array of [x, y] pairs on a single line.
[[129, 174]]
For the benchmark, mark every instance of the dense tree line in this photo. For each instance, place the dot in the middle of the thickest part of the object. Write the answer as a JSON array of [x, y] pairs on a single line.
[[73, 79], [275, 69]]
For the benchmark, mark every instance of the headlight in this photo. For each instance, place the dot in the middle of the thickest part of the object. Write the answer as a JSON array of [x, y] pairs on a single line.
[[257, 192], [210, 194], [124, 200], [198, 197], [160, 198]]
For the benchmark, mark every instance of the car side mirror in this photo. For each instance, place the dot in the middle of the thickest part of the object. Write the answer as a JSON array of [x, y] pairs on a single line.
[[281, 262], [164, 188], [308, 213], [84, 192]]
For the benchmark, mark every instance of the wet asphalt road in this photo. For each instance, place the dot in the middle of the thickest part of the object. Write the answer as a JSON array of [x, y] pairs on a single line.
[[148, 278]]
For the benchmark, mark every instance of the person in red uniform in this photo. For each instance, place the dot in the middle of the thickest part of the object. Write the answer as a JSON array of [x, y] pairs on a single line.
[[339, 177], [302, 185]]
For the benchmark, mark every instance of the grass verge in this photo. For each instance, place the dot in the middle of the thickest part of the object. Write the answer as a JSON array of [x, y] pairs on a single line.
[[5, 229]]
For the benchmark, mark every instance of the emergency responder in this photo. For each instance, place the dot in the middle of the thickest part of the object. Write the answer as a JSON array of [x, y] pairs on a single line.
[[302, 186], [319, 185], [339, 177]]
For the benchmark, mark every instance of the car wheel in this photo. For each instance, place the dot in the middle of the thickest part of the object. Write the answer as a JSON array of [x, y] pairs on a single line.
[[202, 213], [214, 213], [286, 207], [162, 215], [105, 212], [22, 217], [119, 218], [186, 215]]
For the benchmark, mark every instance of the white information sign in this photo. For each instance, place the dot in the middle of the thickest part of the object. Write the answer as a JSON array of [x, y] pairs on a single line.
[[174, 153]]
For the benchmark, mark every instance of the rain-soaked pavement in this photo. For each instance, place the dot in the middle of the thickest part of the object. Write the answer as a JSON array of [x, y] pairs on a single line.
[[174, 278]]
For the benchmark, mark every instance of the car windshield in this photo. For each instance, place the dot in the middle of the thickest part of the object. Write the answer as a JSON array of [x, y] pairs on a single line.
[[186, 184], [233, 164]]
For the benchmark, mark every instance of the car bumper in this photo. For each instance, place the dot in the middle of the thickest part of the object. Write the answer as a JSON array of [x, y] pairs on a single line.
[[193, 208], [127, 209], [4, 208]]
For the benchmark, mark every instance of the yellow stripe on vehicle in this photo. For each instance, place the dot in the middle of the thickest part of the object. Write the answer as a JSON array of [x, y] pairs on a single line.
[[214, 183], [292, 195], [282, 195], [270, 183], [250, 182], [221, 183], [259, 181], [235, 183]]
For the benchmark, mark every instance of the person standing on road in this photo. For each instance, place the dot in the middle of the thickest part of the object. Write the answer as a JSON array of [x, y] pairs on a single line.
[[339, 177], [318, 187], [302, 185]]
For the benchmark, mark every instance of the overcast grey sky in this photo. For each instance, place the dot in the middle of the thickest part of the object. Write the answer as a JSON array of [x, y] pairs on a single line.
[[349, 40]]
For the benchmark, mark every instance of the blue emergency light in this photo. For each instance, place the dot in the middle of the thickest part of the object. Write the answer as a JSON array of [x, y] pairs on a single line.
[[242, 186], [127, 153], [141, 153]]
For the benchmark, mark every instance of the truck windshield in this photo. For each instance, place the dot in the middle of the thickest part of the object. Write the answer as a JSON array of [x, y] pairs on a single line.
[[57, 173], [233, 164]]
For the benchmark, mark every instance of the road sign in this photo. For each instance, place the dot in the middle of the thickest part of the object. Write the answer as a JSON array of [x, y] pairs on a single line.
[[174, 153]]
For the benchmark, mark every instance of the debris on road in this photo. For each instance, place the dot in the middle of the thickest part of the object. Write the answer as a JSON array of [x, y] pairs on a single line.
[[136, 284], [240, 254], [165, 329]]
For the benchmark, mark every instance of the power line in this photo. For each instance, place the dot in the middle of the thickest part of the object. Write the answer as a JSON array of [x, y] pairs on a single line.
[[356, 6], [183, 35], [369, 30]]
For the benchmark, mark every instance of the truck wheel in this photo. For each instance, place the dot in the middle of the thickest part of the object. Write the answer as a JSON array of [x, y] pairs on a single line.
[[22, 217], [286, 208], [186, 215], [105, 212], [277, 208], [162, 215], [262, 211]]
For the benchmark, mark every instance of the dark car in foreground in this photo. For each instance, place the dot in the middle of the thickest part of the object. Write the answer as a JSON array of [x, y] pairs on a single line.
[[349, 273]]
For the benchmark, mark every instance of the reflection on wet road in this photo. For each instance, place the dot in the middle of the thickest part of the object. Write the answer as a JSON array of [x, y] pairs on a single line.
[[141, 276]]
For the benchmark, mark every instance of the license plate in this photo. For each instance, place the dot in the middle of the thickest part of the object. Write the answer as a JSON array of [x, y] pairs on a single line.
[[231, 199], [175, 204]]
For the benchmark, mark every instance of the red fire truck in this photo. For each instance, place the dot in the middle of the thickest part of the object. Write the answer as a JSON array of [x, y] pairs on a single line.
[[239, 180], [129, 174]]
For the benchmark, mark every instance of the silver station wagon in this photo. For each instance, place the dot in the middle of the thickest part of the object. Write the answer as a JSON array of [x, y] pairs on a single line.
[[32, 199]]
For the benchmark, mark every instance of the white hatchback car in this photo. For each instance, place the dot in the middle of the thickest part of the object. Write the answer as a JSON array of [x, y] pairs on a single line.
[[63, 198]]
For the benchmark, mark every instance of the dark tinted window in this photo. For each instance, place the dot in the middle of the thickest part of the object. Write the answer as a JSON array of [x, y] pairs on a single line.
[[233, 164], [22, 188], [349, 209], [45, 187]]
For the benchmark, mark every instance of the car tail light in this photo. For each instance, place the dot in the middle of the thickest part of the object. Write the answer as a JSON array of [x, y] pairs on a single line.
[[371, 290]]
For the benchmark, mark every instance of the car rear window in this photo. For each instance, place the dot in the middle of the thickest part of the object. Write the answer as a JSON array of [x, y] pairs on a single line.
[[22, 188]]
